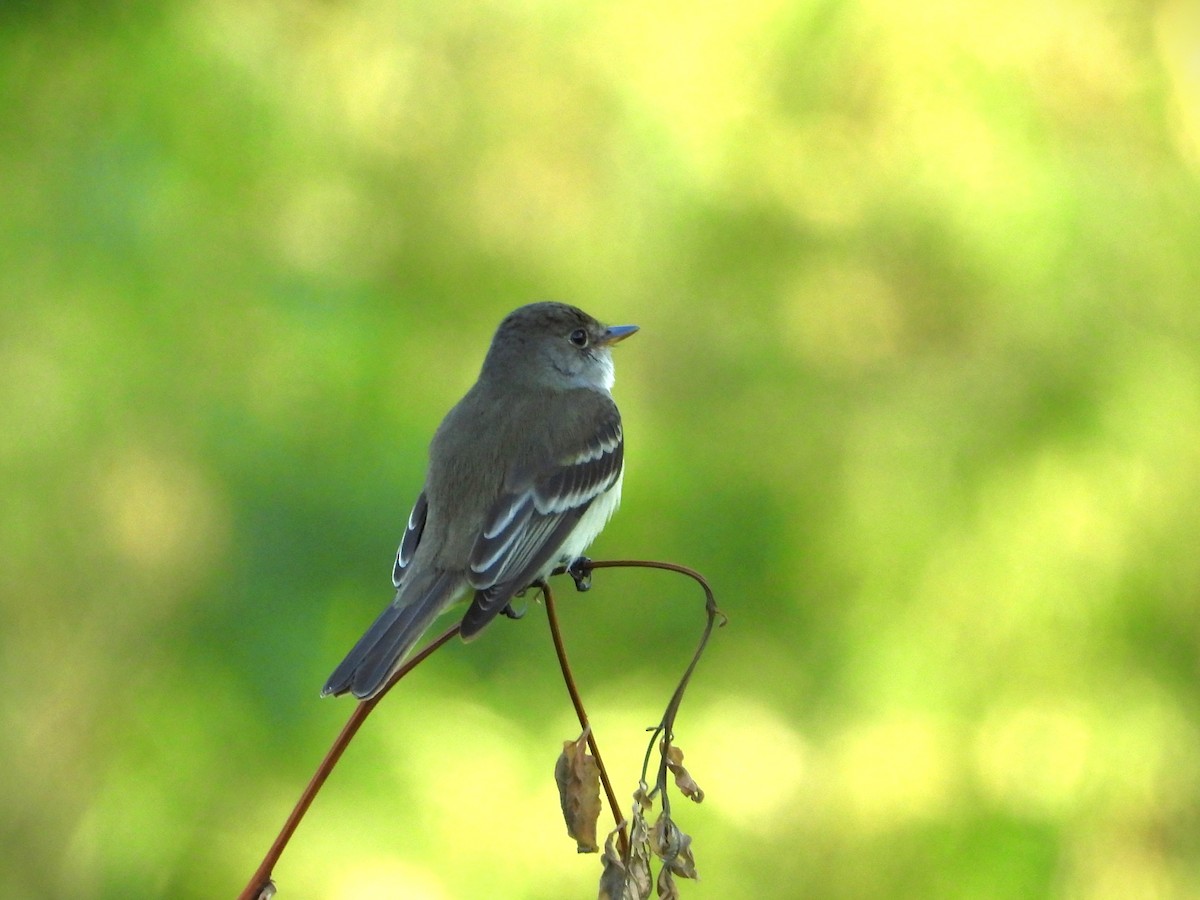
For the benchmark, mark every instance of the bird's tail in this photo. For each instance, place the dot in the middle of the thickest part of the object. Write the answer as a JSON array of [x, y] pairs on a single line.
[[392, 636]]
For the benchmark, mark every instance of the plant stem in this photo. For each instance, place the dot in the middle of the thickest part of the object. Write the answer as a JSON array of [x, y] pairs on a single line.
[[261, 880], [581, 713]]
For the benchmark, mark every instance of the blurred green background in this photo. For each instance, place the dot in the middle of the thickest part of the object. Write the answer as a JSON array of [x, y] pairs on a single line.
[[917, 387]]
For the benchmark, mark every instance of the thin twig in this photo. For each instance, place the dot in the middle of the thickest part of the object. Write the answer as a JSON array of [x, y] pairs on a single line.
[[666, 725], [261, 880], [261, 885], [581, 713]]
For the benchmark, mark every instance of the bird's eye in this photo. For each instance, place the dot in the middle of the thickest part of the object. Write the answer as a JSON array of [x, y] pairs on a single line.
[[579, 338]]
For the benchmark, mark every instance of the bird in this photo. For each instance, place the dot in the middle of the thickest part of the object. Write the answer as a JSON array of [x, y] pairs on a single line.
[[523, 473]]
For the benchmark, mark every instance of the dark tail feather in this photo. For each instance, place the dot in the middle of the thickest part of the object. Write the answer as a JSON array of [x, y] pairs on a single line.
[[391, 638]]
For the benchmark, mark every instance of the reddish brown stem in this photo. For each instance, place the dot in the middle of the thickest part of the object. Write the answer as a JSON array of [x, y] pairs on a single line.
[[261, 885], [261, 880], [577, 701]]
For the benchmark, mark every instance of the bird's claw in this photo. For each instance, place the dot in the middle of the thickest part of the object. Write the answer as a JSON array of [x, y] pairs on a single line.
[[580, 571], [510, 613]]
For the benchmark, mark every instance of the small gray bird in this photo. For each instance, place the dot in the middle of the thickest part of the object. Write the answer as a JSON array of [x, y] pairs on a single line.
[[523, 473]]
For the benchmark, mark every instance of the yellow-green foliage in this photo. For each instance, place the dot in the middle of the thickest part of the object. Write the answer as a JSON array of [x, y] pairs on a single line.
[[917, 387]]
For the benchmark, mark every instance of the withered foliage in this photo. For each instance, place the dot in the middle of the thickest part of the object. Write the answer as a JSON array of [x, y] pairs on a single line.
[[627, 859], [626, 864], [683, 778], [627, 871], [578, 779]]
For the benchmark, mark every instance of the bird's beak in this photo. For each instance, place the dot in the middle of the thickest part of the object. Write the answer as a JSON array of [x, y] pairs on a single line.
[[615, 333]]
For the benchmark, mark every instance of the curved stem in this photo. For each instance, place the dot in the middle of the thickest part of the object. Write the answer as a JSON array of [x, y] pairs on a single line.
[[666, 726], [261, 885]]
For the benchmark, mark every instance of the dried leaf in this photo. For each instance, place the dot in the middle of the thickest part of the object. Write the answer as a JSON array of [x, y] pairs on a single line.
[[667, 888], [578, 780], [641, 797], [640, 881], [616, 874], [673, 846], [626, 876], [683, 778]]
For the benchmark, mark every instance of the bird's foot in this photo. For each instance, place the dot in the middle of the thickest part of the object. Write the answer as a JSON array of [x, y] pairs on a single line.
[[580, 571], [510, 613]]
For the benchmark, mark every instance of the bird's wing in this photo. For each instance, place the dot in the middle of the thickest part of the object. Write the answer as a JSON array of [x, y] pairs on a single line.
[[530, 521], [412, 536]]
